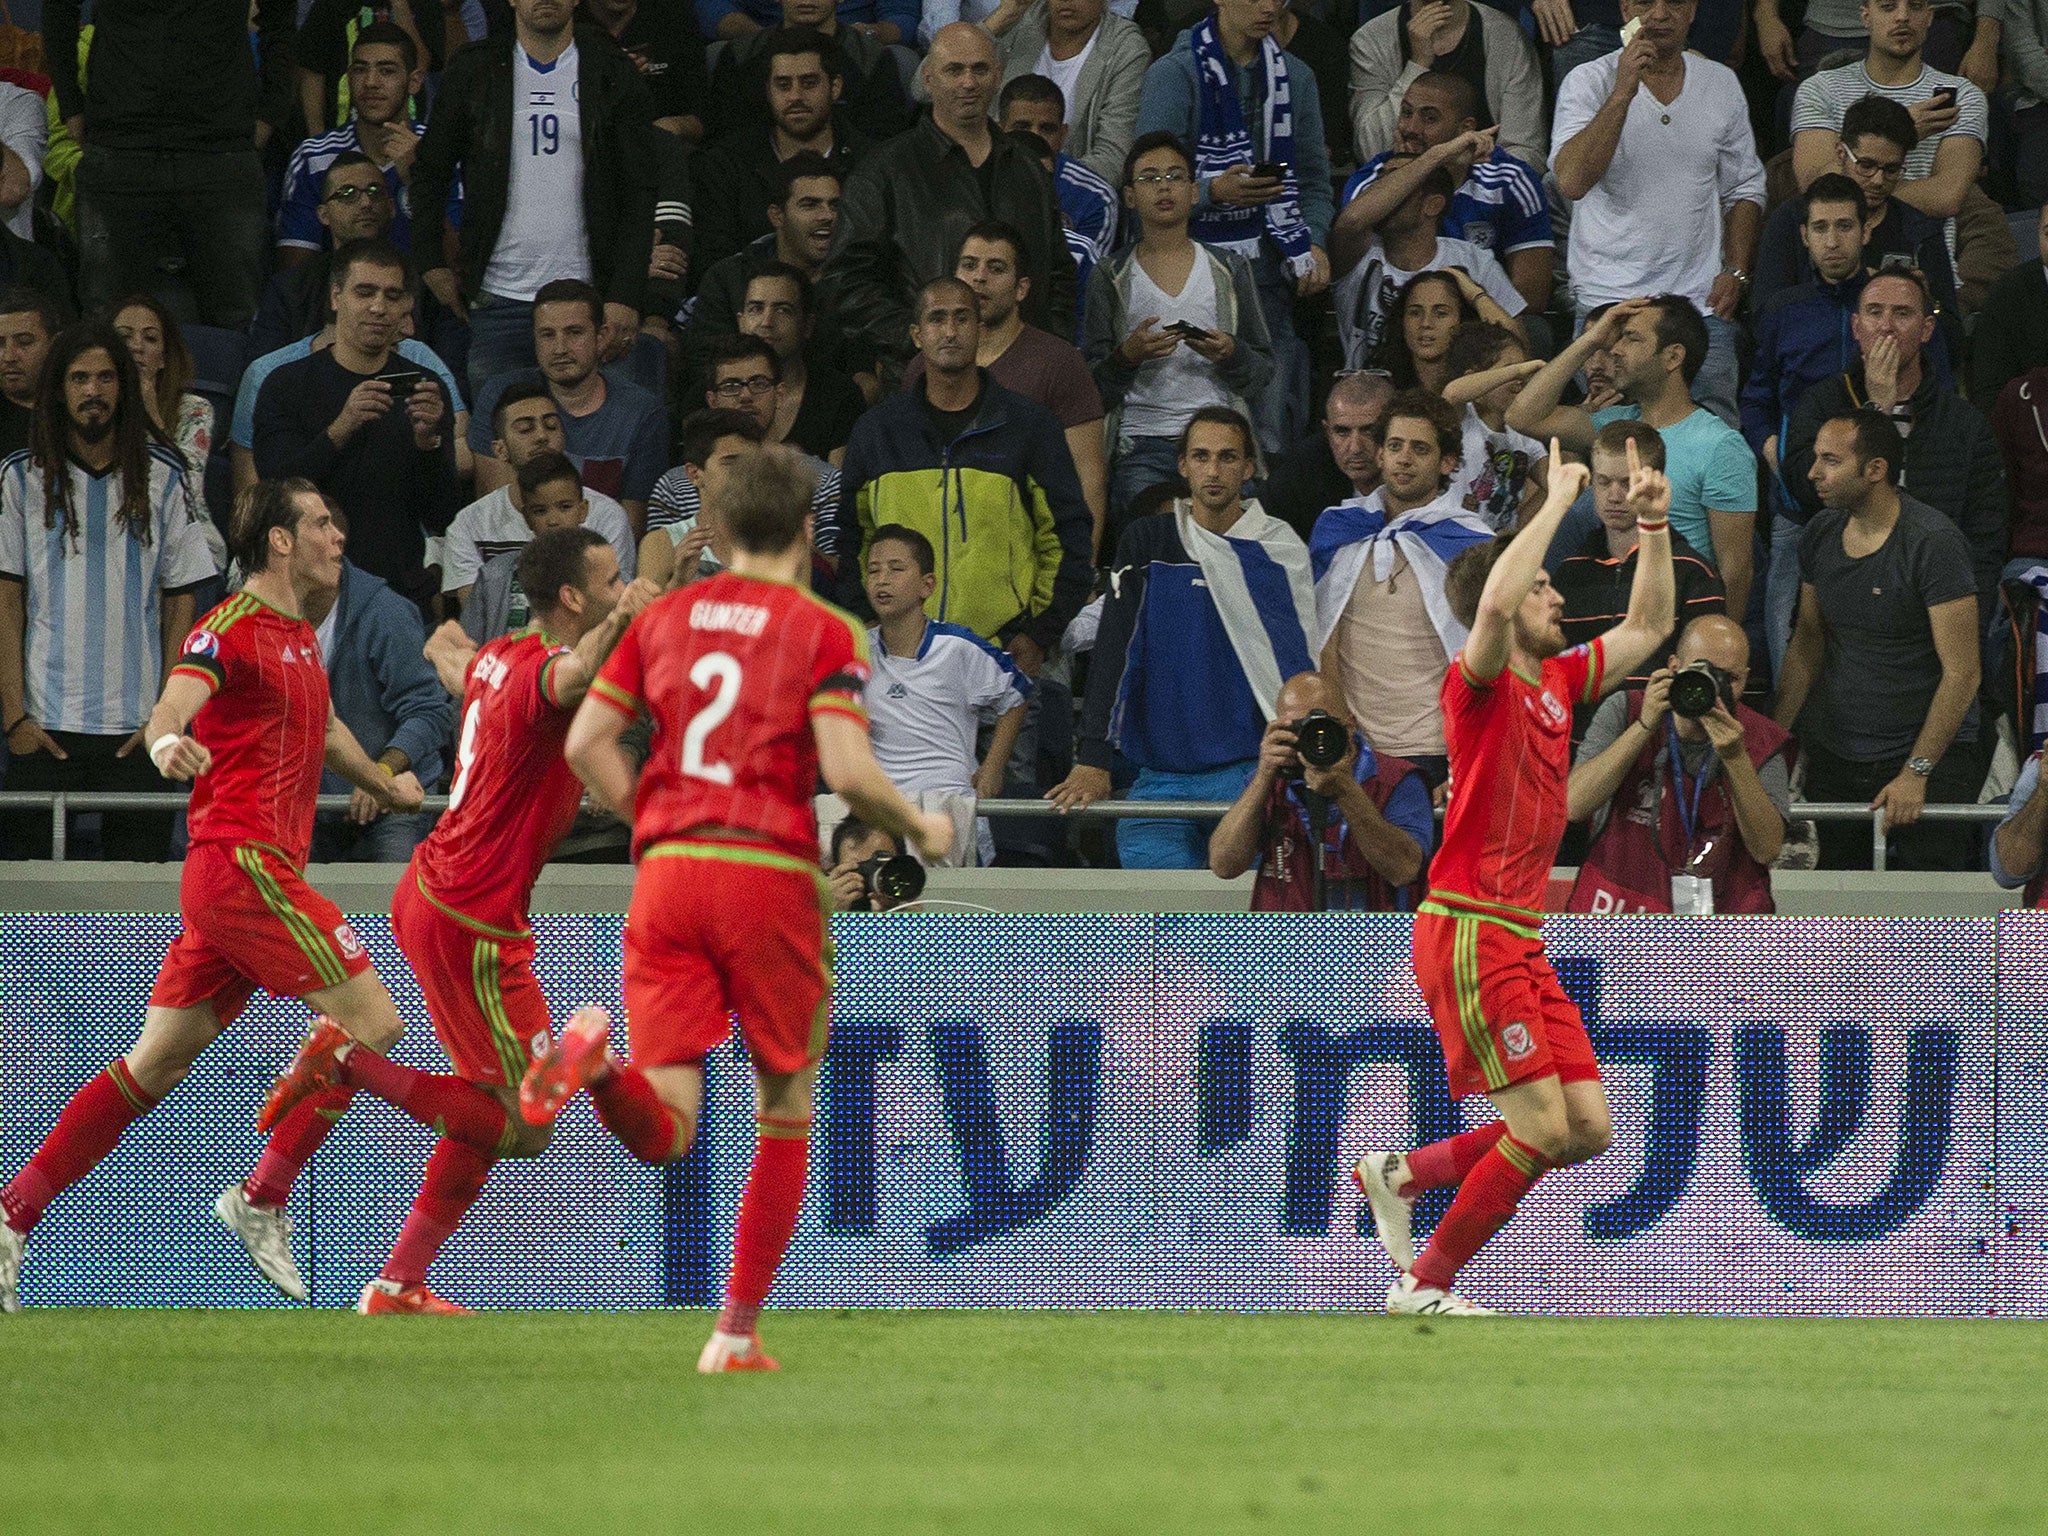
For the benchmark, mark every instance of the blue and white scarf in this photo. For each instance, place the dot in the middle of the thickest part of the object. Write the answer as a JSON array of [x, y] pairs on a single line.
[[1268, 620], [1429, 538], [2036, 576], [1224, 140]]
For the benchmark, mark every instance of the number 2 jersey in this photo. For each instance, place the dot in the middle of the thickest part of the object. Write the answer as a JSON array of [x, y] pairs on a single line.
[[514, 796], [732, 670], [1510, 744], [265, 724]]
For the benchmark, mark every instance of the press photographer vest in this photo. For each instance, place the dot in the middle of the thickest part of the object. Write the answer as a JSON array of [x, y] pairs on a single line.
[[1287, 872], [1630, 865]]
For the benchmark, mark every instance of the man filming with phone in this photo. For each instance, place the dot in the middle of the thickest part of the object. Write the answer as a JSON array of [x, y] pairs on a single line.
[[364, 425], [1315, 772], [1687, 787]]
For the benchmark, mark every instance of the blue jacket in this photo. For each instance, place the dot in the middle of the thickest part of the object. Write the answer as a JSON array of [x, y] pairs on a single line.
[[383, 689]]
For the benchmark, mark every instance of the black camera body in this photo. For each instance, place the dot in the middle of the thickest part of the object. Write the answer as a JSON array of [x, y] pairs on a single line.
[[893, 877], [1320, 739], [1697, 687]]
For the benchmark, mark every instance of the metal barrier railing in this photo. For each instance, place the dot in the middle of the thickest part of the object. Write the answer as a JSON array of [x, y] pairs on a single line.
[[60, 803]]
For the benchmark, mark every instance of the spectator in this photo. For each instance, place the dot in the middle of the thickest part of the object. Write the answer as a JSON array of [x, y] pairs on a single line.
[[1088, 211], [1952, 460], [1964, 35], [29, 322], [1659, 346], [2026, 60], [1500, 471], [526, 427], [1380, 826], [660, 37], [909, 203], [854, 842], [1678, 799], [1653, 146], [1498, 203], [163, 369], [1384, 627], [984, 469], [1375, 264], [1209, 607], [1039, 366], [1340, 459], [551, 497], [1594, 579], [745, 379], [325, 56], [2011, 335], [173, 120], [934, 686], [736, 182], [614, 430], [1097, 59], [1416, 353], [374, 438], [2016, 846], [1477, 45], [872, 98], [1871, 151], [385, 691], [882, 22], [2021, 427], [1227, 88], [679, 549], [384, 73], [813, 411], [1172, 325], [570, 195], [1951, 130], [1882, 672], [24, 135], [100, 554], [27, 266]]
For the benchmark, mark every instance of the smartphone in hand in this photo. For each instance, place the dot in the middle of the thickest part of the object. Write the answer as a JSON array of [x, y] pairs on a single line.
[[1269, 170]]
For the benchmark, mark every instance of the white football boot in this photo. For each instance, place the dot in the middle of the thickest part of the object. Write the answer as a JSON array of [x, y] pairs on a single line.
[[1407, 1297], [1379, 1175], [267, 1234]]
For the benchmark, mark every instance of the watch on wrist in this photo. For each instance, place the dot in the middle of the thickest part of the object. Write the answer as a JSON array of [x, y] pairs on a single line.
[[1920, 767]]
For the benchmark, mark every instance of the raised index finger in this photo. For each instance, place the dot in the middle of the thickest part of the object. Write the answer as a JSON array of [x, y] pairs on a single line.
[[1635, 464]]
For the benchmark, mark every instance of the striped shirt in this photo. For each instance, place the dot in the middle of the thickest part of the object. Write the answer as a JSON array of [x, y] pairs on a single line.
[[1088, 217], [298, 208], [94, 662], [1824, 97], [1500, 205], [674, 506]]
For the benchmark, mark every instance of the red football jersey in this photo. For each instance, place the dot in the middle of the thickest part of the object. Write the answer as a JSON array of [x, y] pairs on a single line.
[[266, 726], [731, 670], [1510, 744], [513, 797]]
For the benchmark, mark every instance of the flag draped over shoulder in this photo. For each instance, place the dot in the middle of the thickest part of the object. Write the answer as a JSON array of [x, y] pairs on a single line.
[[1357, 532]]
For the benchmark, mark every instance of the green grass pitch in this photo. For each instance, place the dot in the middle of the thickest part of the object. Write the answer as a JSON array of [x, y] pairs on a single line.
[[149, 1422]]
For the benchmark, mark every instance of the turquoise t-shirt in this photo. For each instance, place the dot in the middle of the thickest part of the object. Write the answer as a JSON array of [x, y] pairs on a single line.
[[1710, 468]]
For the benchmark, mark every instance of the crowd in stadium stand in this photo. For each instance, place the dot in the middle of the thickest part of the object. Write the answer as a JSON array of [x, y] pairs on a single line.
[[1149, 355]]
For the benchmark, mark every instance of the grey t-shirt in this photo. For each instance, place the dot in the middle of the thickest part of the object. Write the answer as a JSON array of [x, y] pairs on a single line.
[[1611, 719], [1881, 670]]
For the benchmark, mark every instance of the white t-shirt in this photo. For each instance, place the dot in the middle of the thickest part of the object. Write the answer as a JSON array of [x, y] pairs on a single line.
[[1169, 390], [25, 129], [1066, 74], [1652, 224], [1493, 470], [492, 525], [924, 710], [542, 237], [1367, 292]]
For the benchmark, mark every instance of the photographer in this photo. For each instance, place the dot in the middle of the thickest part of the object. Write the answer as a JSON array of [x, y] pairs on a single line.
[[1379, 824], [1687, 787], [862, 872]]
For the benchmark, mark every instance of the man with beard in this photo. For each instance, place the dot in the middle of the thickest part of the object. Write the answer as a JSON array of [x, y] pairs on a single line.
[[28, 323]]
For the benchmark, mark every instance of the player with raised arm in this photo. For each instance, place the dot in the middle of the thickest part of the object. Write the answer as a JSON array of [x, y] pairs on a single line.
[[1507, 1028], [754, 688], [244, 715], [459, 912]]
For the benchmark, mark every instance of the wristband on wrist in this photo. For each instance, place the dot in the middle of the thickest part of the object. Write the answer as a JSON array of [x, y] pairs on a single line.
[[18, 722], [389, 771], [1660, 526], [162, 748]]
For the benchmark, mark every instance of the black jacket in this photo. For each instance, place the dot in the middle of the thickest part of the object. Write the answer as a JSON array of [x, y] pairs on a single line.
[[733, 182], [903, 216], [1953, 464], [871, 96], [471, 129], [2012, 333]]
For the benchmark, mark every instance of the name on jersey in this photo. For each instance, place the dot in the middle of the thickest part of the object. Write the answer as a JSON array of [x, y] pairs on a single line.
[[491, 671], [747, 619]]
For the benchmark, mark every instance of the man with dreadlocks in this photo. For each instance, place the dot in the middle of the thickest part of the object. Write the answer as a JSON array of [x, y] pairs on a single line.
[[100, 554]]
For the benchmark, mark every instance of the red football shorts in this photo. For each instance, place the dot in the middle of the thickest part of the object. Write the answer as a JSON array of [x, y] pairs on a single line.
[[488, 1011], [1497, 1006], [252, 921], [725, 931]]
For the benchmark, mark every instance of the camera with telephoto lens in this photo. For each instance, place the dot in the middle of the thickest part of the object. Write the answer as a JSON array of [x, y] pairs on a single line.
[[1698, 687], [1320, 739], [892, 878]]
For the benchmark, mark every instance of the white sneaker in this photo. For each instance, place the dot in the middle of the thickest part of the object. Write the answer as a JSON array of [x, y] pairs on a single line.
[[1408, 1297], [733, 1352], [11, 1245], [1379, 1175], [267, 1234]]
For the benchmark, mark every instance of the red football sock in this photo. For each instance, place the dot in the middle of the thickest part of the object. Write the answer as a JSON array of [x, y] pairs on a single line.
[[448, 1106], [768, 1210], [455, 1177], [1448, 1161], [1486, 1200], [297, 1137], [631, 1110], [86, 1132]]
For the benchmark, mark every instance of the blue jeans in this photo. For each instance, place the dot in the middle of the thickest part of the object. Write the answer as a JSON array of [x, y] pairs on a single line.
[[1141, 463], [1280, 411], [1147, 844], [1781, 584], [500, 339], [390, 839]]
